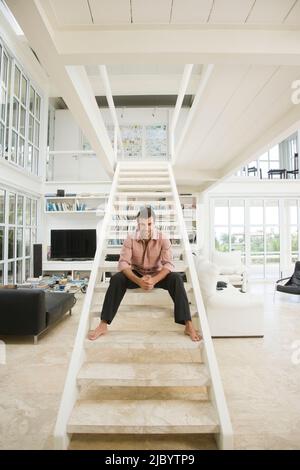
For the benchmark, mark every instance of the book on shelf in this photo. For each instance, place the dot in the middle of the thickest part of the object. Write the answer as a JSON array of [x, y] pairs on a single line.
[[59, 206], [80, 206]]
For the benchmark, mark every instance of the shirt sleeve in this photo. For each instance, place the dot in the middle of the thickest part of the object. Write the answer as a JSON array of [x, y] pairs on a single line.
[[125, 255], [167, 255]]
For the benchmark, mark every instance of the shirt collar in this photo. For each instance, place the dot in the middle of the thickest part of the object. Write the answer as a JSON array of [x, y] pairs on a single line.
[[154, 234]]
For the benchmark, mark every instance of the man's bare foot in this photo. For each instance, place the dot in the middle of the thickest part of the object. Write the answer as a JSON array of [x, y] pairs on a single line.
[[99, 331], [190, 331]]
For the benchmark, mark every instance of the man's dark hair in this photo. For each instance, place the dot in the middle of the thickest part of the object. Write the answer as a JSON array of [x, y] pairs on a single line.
[[146, 212]]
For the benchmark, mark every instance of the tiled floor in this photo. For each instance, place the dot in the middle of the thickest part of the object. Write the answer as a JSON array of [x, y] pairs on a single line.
[[262, 384]]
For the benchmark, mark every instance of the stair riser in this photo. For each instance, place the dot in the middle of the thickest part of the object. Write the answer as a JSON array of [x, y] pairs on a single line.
[[150, 180], [133, 213], [132, 224], [147, 442], [124, 234], [145, 355], [162, 300], [96, 429], [140, 316], [146, 187], [144, 194], [100, 392], [135, 383], [157, 205]]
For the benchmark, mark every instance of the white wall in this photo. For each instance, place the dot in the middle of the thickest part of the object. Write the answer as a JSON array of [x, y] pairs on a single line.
[[68, 221], [68, 137]]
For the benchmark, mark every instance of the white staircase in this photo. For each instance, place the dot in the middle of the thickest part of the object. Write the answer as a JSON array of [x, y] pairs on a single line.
[[145, 376]]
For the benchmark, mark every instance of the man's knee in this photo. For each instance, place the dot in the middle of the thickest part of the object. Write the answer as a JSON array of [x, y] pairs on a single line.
[[118, 279], [175, 278]]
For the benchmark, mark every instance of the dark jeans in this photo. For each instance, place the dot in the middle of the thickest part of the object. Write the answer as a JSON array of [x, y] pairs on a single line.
[[119, 283]]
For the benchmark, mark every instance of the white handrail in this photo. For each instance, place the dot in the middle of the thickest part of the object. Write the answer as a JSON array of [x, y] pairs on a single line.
[[217, 392], [70, 392]]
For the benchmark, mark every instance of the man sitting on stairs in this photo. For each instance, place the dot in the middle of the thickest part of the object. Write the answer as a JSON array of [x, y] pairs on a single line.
[[146, 262]]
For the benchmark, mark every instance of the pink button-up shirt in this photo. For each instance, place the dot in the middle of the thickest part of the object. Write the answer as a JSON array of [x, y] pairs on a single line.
[[157, 255]]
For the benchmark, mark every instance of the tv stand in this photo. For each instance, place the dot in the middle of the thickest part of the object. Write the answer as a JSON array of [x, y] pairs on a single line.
[[66, 266]]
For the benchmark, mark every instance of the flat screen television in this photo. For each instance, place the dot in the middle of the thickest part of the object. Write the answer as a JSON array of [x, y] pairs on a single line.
[[73, 244]]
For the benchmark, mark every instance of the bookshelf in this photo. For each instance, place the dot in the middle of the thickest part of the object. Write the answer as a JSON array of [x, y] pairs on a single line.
[[189, 209], [76, 204]]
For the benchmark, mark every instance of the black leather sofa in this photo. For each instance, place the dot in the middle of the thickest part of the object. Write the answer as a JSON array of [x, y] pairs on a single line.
[[32, 311]]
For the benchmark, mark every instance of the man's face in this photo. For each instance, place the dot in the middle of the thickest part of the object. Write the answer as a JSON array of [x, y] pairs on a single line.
[[146, 227]]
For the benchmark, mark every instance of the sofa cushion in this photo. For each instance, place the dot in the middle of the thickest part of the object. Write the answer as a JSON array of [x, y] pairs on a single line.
[[57, 304], [228, 263], [207, 276]]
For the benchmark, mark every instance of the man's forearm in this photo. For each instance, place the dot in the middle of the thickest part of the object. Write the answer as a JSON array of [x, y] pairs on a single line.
[[131, 276], [160, 275]]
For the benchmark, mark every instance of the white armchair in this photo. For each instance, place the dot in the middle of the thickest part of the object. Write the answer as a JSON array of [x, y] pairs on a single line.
[[231, 268], [229, 312]]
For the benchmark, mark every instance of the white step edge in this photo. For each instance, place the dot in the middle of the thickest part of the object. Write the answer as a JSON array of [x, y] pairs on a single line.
[[120, 223], [116, 249], [144, 374], [143, 417], [137, 204], [133, 179], [167, 313]]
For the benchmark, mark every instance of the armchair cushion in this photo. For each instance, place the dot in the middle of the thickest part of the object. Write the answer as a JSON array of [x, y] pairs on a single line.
[[228, 263], [22, 311], [207, 276]]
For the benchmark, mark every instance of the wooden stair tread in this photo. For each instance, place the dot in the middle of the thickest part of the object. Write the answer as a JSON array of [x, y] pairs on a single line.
[[143, 416]]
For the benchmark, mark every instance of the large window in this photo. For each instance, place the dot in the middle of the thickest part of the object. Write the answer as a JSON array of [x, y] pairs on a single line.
[[19, 116], [139, 141], [251, 226], [229, 229], [18, 232], [292, 207], [4, 64], [283, 156]]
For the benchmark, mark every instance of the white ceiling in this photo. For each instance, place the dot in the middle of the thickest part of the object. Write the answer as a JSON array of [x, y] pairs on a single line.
[[246, 99], [239, 104], [142, 69], [66, 13], [143, 79]]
